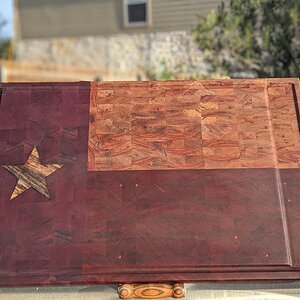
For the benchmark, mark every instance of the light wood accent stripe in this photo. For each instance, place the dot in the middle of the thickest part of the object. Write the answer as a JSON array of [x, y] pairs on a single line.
[[194, 125]]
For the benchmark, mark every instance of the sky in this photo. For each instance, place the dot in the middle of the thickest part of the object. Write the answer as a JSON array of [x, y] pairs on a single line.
[[6, 12]]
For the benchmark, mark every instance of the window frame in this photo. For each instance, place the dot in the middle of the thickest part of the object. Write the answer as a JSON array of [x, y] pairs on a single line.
[[148, 21]]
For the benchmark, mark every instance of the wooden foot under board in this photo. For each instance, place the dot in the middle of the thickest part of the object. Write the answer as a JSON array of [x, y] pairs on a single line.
[[151, 291]]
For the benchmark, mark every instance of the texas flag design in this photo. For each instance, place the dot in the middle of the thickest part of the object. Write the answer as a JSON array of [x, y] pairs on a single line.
[[149, 181]]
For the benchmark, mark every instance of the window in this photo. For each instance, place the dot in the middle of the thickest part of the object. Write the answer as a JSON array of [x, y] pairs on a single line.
[[136, 12]]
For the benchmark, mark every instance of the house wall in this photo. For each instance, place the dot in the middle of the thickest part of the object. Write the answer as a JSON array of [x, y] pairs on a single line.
[[91, 34], [67, 18], [118, 57]]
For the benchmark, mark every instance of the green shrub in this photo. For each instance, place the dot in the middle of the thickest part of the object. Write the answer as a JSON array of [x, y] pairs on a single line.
[[260, 38]]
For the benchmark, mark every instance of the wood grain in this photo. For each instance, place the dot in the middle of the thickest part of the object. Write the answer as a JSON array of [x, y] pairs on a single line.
[[151, 291], [193, 125], [140, 226], [32, 174]]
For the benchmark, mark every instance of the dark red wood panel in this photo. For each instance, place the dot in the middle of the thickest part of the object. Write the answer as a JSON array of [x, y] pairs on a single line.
[[185, 219], [38, 234], [132, 226]]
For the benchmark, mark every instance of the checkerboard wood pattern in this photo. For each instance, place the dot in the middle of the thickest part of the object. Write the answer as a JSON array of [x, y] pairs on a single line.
[[193, 125]]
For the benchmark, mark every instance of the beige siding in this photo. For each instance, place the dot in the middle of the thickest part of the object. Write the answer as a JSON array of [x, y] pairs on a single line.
[[179, 14], [65, 18]]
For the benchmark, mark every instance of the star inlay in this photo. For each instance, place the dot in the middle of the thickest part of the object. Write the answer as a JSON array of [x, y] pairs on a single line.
[[32, 174]]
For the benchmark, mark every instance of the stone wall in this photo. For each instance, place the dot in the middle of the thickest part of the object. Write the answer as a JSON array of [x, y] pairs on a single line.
[[118, 57]]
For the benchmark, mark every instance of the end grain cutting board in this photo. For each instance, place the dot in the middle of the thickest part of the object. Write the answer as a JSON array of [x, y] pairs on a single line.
[[176, 181]]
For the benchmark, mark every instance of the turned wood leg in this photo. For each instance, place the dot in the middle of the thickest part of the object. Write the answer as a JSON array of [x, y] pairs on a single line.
[[151, 291]]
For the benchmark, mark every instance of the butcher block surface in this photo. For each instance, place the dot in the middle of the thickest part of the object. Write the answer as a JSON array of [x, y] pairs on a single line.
[[193, 125], [176, 181]]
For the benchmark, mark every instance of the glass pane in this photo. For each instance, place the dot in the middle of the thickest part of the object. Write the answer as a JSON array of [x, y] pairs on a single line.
[[137, 13]]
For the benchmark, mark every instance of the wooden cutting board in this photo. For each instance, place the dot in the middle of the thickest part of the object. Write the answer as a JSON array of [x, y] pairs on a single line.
[[128, 182]]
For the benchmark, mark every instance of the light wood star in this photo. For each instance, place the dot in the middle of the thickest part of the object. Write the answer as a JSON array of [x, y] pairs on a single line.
[[32, 174]]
